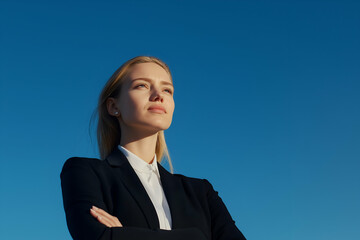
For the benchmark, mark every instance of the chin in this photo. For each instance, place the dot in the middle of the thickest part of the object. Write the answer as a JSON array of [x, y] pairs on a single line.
[[161, 124], [153, 127], [160, 128]]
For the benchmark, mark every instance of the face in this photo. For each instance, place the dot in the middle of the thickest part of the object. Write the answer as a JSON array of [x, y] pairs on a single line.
[[146, 99]]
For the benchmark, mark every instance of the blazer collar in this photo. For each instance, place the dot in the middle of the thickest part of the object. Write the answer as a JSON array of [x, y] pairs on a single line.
[[116, 158], [175, 196], [171, 184], [133, 184]]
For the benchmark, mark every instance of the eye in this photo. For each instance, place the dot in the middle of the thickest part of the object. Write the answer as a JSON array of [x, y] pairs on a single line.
[[142, 85], [168, 90]]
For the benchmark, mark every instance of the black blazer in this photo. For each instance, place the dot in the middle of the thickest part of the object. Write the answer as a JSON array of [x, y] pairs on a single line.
[[197, 211]]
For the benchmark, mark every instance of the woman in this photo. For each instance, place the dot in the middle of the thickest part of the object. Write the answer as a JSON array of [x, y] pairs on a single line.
[[127, 194]]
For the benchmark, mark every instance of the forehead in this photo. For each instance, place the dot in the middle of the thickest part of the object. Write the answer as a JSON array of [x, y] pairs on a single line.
[[151, 71]]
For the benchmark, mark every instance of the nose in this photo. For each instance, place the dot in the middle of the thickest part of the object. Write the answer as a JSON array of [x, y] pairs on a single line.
[[157, 95]]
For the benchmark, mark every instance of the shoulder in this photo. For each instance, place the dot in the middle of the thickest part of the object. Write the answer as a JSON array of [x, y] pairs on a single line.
[[197, 183], [81, 163], [73, 161]]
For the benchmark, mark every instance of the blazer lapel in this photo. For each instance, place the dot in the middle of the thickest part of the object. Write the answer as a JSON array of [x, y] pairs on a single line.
[[175, 196], [131, 181]]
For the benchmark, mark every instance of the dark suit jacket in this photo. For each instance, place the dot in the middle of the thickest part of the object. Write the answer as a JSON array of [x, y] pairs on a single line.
[[197, 211]]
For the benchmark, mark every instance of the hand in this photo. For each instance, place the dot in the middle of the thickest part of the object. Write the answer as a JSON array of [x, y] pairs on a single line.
[[105, 218]]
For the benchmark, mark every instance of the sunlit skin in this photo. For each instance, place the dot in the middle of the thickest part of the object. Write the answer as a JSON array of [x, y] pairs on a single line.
[[145, 107], [147, 85]]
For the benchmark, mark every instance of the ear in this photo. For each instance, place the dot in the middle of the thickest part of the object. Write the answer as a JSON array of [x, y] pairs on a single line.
[[112, 107]]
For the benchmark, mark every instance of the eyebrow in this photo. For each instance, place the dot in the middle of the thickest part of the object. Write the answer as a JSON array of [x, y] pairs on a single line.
[[150, 80]]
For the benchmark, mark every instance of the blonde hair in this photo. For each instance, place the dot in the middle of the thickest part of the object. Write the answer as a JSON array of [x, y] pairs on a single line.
[[108, 128]]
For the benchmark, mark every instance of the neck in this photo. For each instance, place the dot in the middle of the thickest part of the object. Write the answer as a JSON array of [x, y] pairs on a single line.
[[141, 145]]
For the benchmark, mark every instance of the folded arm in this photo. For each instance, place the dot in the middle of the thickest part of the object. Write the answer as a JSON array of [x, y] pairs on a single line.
[[81, 190], [222, 225]]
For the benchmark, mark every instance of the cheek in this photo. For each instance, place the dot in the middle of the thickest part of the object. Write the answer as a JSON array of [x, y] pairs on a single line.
[[171, 107], [131, 108], [172, 103]]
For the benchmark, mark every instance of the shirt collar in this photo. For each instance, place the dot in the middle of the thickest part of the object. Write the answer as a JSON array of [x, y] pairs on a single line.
[[139, 164]]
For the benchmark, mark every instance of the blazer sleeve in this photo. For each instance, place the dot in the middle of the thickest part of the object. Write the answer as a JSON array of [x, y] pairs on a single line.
[[222, 225], [81, 190]]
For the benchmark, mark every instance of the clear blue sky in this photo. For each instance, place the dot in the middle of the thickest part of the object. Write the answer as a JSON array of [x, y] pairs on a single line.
[[267, 105]]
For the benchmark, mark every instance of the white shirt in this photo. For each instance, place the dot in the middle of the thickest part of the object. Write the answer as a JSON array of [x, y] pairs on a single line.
[[150, 179]]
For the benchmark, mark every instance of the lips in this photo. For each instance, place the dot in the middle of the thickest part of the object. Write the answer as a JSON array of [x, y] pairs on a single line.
[[157, 109]]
